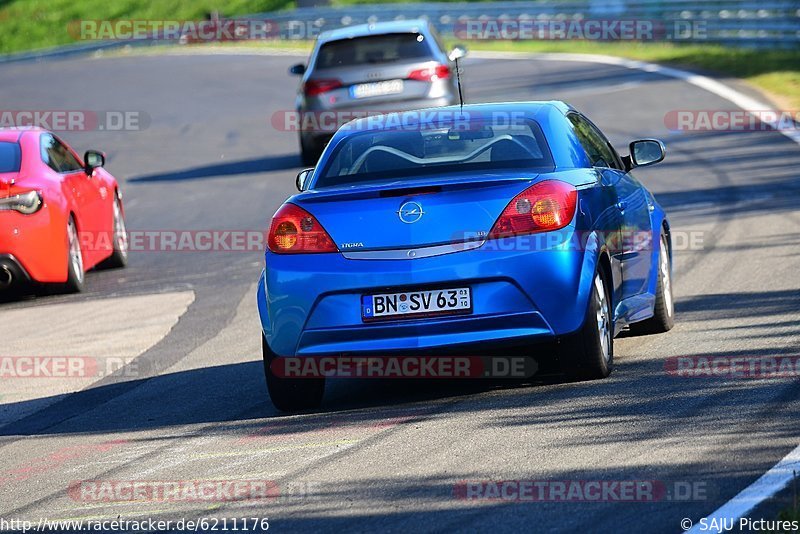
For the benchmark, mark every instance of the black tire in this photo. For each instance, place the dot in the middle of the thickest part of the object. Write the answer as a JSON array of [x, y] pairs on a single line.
[[588, 354], [119, 255], [663, 318], [291, 394], [309, 153], [76, 277]]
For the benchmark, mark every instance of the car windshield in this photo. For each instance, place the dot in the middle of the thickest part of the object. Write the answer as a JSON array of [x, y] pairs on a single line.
[[472, 145], [373, 49], [9, 157]]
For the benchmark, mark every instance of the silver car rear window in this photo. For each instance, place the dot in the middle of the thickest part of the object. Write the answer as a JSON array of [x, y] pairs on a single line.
[[373, 50]]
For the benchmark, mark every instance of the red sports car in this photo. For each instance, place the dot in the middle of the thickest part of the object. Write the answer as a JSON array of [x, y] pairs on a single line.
[[60, 215]]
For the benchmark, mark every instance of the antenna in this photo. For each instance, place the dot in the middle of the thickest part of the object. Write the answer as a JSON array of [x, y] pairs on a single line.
[[458, 78], [457, 53]]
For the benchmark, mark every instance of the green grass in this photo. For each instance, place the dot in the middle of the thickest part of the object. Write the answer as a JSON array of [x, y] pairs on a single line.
[[790, 514], [31, 24]]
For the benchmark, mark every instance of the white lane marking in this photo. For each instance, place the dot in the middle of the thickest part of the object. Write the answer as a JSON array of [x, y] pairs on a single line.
[[711, 85], [779, 476], [770, 483]]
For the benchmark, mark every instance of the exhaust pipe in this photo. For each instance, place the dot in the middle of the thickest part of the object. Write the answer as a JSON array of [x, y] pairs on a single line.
[[6, 277]]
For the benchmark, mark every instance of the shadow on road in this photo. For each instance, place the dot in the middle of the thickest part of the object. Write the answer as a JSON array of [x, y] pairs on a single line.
[[654, 405], [218, 394], [216, 170]]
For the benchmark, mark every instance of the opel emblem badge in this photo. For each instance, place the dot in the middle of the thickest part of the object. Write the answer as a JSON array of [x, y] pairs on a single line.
[[410, 212]]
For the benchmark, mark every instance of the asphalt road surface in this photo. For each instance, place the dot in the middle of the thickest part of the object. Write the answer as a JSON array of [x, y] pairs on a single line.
[[191, 404]]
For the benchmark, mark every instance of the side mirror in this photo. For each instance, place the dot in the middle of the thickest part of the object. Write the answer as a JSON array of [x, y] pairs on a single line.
[[302, 178], [646, 152], [458, 52], [93, 159], [297, 70]]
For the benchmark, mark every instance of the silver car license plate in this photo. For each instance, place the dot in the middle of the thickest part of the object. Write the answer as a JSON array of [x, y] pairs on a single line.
[[366, 90]]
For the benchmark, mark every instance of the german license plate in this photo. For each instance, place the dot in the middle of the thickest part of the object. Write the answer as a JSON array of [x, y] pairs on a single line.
[[366, 90], [409, 304]]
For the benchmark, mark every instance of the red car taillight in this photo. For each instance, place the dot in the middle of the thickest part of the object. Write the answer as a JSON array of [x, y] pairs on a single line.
[[295, 231], [317, 87], [543, 207], [439, 72]]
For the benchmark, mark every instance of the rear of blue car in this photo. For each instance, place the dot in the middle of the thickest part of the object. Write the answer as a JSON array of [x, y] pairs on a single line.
[[461, 232], [516, 287], [393, 251]]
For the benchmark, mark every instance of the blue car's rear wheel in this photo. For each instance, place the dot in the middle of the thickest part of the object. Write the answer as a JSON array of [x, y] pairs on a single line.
[[290, 394], [663, 318], [589, 353]]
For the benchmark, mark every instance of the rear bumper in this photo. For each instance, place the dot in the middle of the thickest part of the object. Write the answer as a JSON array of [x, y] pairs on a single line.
[[311, 304], [36, 243], [11, 272]]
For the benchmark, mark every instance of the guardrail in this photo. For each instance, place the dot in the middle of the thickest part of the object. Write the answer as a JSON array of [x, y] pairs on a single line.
[[747, 23], [744, 23]]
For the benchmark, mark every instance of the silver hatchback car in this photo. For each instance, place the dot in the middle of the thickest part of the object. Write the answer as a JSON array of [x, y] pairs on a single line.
[[371, 68]]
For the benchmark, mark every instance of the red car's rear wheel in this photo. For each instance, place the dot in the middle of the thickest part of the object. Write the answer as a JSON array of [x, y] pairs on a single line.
[[119, 255], [75, 273]]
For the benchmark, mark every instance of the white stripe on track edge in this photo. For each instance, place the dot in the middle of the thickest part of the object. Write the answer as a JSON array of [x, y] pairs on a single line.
[[770, 483], [711, 85], [779, 477]]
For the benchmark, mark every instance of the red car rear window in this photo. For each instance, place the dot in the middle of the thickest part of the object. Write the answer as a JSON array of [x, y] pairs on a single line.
[[10, 155]]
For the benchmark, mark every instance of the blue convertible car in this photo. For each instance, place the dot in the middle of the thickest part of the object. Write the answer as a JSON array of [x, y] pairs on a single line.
[[466, 230]]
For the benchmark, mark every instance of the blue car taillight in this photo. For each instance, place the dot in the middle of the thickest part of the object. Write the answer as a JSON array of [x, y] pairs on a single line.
[[295, 231], [543, 207]]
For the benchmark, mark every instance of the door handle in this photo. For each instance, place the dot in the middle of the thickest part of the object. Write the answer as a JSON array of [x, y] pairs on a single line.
[[621, 205]]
